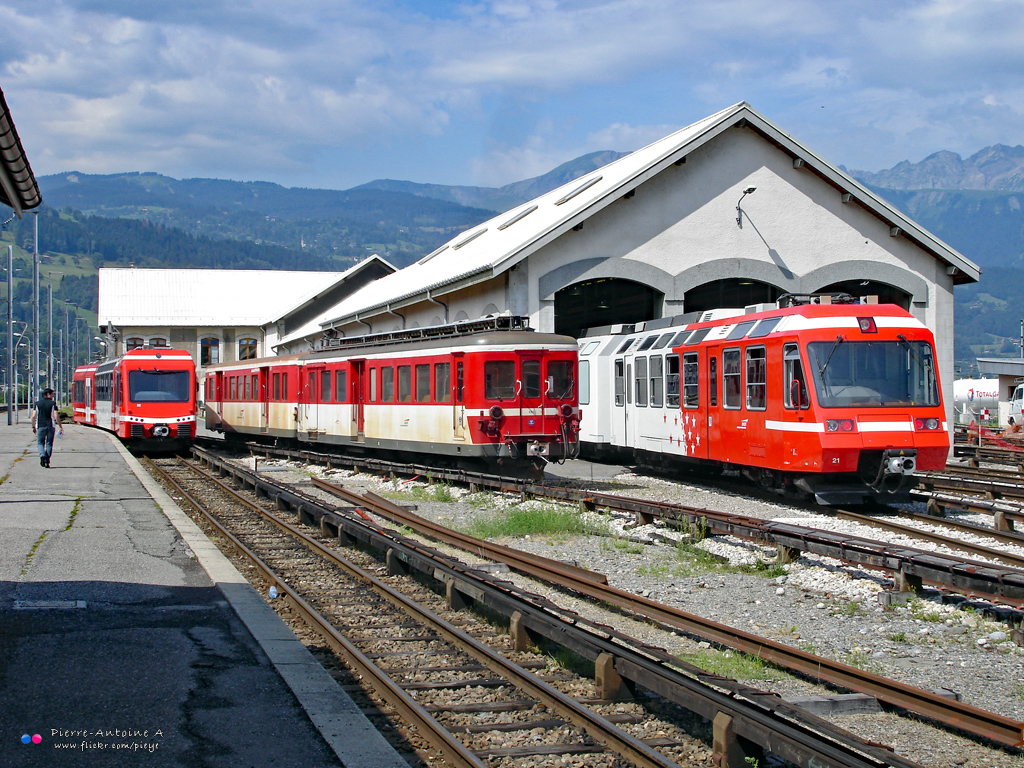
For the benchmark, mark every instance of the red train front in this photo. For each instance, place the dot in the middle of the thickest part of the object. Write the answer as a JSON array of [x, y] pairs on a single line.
[[840, 401], [147, 398]]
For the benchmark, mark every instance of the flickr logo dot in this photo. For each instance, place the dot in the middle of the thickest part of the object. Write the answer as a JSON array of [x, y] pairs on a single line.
[[34, 739]]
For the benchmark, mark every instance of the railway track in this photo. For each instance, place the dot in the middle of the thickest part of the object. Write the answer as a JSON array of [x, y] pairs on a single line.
[[411, 654], [991, 726], [912, 568]]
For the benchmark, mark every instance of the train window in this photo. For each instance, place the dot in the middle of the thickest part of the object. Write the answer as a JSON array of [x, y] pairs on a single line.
[[647, 343], [232, 387], [713, 380], [691, 380], [325, 386], [387, 385], [531, 378], [499, 379], [209, 351], [157, 387], [625, 345], [248, 387], [584, 382], [340, 390], [641, 380], [443, 382], [740, 330], [560, 383], [134, 342], [311, 391], [663, 341], [794, 390], [589, 347], [764, 327], [732, 381], [373, 384], [672, 381], [679, 338], [757, 379], [405, 383], [620, 384], [459, 381], [284, 386], [657, 380], [256, 394], [423, 383], [277, 386], [697, 336]]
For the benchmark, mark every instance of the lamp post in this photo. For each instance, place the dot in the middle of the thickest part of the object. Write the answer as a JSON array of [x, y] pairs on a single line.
[[35, 308], [49, 333], [10, 329], [739, 211]]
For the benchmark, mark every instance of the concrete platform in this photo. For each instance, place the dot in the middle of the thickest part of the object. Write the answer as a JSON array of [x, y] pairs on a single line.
[[126, 638]]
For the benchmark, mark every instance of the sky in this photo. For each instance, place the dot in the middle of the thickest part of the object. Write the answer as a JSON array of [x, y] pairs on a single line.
[[335, 93]]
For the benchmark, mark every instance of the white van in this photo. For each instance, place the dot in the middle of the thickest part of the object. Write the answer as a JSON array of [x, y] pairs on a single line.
[[1015, 404]]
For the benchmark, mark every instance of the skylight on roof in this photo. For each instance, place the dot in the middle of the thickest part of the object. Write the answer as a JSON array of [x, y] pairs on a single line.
[[432, 254], [581, 188], [518, 216], [469, 239]]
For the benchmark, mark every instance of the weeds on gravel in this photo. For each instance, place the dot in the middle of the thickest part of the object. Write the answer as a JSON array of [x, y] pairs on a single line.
[[764, 568], [860, 660], [919, 609], [1018, 688], [529, 519], [738, 666], [898, 637], [625, 546]]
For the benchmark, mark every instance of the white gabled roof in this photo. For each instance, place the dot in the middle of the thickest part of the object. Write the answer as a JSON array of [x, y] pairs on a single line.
[[198, 297], [498, 244]]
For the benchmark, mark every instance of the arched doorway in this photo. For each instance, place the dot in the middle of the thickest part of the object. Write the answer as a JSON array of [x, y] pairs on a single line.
[[604, 301], [887, 294], [732, 292]]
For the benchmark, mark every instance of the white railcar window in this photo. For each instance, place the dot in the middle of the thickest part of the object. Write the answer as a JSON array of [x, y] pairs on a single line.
[[340, 390], [641, 380], [584, 382], [387, 385], [672, 381], [691, 380], [732, 378], [620, 383], [757, 379], [405, 383], [657, 371], [423, 383]]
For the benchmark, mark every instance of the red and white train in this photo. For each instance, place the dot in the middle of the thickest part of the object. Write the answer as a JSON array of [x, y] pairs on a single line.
[[838, 400], [489, 390], [147, 398]]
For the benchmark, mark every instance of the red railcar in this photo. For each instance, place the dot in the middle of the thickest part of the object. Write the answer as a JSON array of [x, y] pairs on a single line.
[[841, 401], [147, 398], [489, 390]]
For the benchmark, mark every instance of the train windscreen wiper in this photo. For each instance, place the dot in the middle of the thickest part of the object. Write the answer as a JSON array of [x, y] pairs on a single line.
[[821, 369]]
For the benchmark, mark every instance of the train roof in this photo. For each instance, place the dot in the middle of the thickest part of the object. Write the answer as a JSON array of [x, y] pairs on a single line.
[[755, 321]]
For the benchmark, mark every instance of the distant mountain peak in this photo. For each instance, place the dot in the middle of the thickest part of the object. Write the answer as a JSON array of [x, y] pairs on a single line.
[[999, 167]]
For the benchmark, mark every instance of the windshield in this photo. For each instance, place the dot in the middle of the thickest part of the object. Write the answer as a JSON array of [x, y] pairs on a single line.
[[873, 373], [158, 386]]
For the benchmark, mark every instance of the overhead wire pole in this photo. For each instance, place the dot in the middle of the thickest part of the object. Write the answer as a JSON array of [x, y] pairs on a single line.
[[10, 332], [35, 314]]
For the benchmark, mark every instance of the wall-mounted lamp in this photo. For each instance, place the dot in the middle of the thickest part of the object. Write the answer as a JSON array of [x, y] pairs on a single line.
[[739, 211]]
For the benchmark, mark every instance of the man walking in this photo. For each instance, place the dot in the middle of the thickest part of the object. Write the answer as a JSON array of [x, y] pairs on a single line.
[[45, 421]]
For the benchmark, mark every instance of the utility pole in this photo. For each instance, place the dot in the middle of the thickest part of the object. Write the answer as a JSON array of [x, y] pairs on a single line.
[[35, 315], [10, 332]]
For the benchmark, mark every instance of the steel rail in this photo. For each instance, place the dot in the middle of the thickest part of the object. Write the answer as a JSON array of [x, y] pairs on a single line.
[[956, 714], [1008, 509], [601, 730], [782, 728], [996, 488], [439, 737]]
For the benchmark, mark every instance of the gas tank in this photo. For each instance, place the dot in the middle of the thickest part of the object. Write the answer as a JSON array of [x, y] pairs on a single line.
[[972, 396]]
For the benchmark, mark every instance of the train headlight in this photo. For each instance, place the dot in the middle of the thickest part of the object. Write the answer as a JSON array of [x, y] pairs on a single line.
[[839, 425], [566, 411], [926, 424]]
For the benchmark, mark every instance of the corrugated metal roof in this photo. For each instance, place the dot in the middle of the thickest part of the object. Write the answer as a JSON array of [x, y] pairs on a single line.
[[498, 244], [196, 297]]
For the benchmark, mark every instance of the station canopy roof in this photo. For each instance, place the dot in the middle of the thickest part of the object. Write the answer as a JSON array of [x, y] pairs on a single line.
[[18, 188]]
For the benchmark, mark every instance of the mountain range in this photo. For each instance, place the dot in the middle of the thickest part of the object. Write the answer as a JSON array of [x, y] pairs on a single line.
[[974, 204]]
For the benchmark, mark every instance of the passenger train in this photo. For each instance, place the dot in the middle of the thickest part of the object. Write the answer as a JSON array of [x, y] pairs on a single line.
[[489, 391], [147, 397], [815, 395]]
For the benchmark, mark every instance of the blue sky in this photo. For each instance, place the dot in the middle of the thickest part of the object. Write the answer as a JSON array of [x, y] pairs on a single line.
[[335, 93]]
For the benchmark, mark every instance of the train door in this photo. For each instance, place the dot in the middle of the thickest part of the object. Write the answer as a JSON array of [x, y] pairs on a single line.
[[716, 402], [531, 409], [90, 404], [694, 400], [312, 387], [618, 430], [264, 398], [796, 421], [458, 397], [358, 396]]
